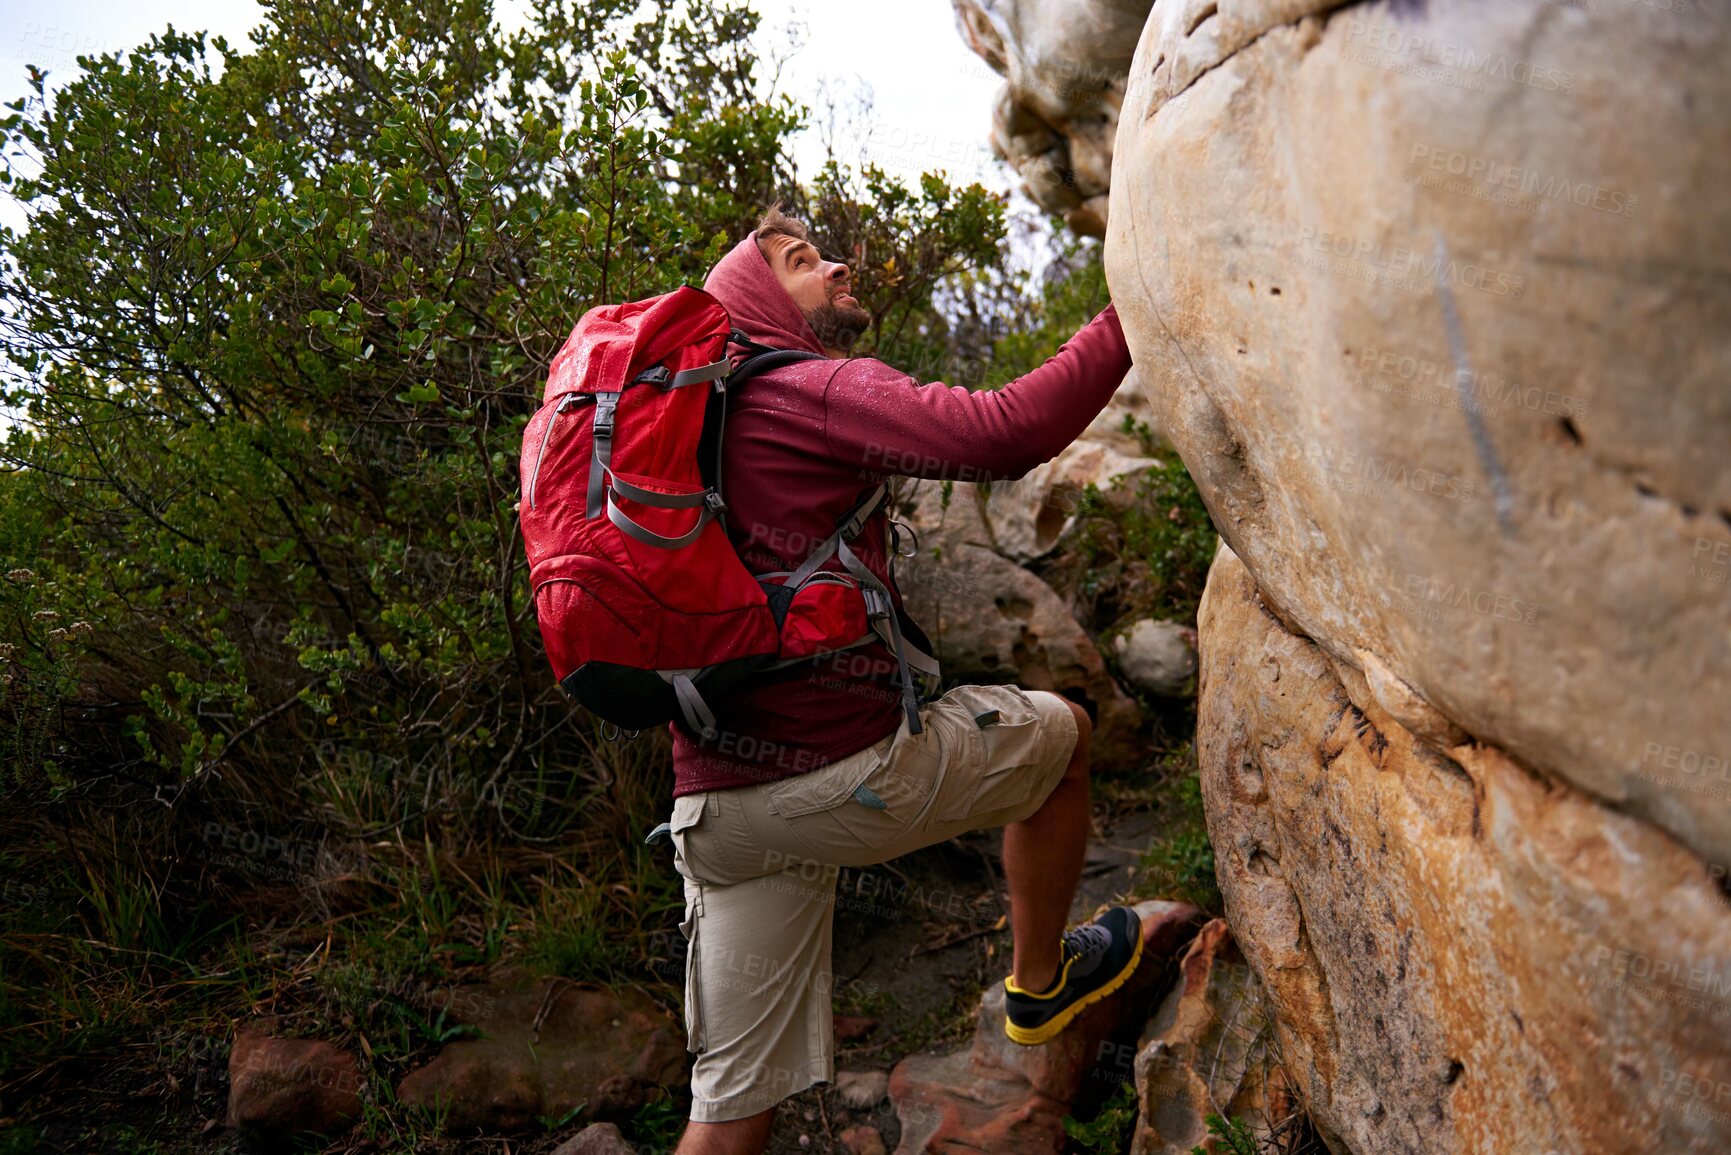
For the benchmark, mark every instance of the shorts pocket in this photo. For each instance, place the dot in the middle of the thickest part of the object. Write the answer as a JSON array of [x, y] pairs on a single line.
[[1004, 761], [854, 811], [687, 813], [828, 786]]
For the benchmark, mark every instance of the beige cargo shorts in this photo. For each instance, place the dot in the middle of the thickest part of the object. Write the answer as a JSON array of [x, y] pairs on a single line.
[[760, 865]]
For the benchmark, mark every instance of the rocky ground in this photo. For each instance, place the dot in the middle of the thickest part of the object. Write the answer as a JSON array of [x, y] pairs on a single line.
[[917, 941]]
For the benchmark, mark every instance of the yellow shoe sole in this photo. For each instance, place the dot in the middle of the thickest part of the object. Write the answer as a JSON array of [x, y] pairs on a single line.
[[1034, 1036]]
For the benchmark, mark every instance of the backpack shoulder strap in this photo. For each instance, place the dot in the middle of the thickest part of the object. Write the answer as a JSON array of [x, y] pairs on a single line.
[[762, 360], [761, 363]]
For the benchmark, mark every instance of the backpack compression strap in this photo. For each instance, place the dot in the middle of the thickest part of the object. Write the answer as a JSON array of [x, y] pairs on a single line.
[[605, 486], [880, 605]]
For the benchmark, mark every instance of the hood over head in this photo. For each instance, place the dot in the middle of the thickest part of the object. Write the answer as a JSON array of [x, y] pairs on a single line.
[[748, 289]]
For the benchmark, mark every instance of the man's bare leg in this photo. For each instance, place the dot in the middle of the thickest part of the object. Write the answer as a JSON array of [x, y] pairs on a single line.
[[1042, 864], [747, 1136]]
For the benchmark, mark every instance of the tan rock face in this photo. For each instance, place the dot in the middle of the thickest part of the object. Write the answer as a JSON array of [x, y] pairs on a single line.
[[1065, 65], [1207, 1051], [1432, 299], [1461, 957]]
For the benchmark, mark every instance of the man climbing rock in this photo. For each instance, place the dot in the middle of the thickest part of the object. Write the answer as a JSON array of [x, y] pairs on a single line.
[[828, 764]]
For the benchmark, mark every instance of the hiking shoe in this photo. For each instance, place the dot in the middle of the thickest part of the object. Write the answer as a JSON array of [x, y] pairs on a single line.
[[1094, 960]]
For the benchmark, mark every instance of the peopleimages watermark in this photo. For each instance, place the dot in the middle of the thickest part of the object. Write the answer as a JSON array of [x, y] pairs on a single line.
[[20, 895], [879, 895], [1634, 964], [1702, 1096], [1711, 561], [1691, 771], [1398, 267], [767, 759], [268, 856], [1352, 471], [1413, 50], [1697, 988], [899, 149], [1433, 383], [289, 860], [1428, 597], [1528, 189], [53, 46]]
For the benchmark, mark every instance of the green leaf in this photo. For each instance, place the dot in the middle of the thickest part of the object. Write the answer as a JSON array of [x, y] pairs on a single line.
[[423, 394]]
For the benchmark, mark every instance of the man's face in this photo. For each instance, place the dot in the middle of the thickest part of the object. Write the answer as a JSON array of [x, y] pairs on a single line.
[[822, 289]]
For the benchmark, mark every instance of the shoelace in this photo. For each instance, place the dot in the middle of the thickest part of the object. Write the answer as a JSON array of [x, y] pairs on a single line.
[[1089, 938]]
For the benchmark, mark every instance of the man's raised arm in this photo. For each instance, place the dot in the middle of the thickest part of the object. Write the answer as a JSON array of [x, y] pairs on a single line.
[[885, 421]]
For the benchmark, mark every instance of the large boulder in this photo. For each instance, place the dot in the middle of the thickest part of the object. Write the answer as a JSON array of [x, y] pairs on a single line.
[[542, 1049], [1431, 297], [1462, 956], [1065, 69]]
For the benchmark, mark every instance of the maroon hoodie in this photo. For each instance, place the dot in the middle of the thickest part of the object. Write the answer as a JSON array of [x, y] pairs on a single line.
[[804, 442]]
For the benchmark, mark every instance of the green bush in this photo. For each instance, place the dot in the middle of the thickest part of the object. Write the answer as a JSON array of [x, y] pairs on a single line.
[[278, 317], [275, 343], [1139, 550]]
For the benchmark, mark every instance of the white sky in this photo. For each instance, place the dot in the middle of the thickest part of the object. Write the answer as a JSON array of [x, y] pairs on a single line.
[[932, 98]]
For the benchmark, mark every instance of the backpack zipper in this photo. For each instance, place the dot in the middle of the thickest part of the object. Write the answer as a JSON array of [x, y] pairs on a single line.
[[569, 401]]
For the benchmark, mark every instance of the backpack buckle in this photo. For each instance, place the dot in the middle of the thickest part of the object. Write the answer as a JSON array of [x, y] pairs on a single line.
[[877, 605], [605, 403], [712, 501], [654, 375]]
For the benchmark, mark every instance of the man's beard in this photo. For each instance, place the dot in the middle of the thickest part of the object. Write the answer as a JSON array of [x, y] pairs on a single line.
[[837, 326]]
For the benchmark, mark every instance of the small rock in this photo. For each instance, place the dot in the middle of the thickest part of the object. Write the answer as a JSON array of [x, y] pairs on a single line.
[[546, 1047], [279, 1089], [1157, 657], [853, 1028], [862, 1089], [596, 1139], [863, 1140]]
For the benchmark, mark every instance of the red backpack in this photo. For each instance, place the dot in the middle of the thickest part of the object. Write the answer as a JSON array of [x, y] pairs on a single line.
[[645, 608]]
